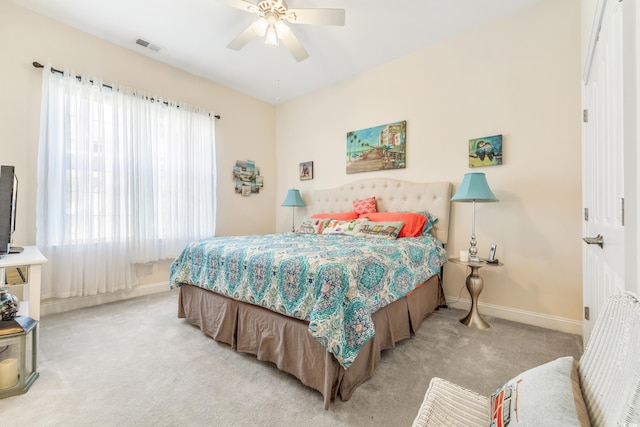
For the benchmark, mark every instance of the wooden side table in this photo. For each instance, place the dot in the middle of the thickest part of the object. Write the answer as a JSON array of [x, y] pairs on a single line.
[[475, 285]]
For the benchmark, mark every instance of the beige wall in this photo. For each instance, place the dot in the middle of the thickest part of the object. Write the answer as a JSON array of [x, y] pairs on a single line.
[[26, 37], [519, 77]]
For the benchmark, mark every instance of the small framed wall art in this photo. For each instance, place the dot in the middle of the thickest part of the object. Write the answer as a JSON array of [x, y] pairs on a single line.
[[486, 151], [306, 171]]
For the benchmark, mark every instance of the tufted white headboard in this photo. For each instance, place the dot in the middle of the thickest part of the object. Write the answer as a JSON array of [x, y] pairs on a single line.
[[392, 195]]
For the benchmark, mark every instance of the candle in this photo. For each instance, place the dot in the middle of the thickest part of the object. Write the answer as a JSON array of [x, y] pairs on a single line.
[[8, 373], [464, 256]]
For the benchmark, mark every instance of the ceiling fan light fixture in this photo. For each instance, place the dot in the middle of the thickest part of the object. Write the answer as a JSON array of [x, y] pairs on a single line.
[[271, 37], [282, 30], [273, 21], [260, 27], [271, 18]]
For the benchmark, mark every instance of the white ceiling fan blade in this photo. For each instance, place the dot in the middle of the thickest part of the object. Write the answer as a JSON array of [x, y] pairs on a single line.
[[295, 47], [316, 16], [242, 39], [243, 5]]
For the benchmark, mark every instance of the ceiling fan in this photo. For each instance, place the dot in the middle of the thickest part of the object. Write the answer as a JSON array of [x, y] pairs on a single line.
[[273, 16]]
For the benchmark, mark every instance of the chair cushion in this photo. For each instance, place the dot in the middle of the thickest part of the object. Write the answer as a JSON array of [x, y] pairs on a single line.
[[547, 395]]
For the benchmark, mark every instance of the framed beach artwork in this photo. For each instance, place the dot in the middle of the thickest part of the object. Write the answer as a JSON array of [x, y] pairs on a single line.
[[377, 148], [486, 151], [306, 171]]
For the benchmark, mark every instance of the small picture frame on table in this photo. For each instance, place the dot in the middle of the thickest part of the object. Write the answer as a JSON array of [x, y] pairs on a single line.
[[306, 171]]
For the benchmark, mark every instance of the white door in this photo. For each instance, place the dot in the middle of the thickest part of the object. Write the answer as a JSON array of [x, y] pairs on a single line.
[[603, 163]]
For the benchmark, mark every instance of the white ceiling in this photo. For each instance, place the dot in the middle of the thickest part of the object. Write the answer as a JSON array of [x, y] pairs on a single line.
[[193, 35]]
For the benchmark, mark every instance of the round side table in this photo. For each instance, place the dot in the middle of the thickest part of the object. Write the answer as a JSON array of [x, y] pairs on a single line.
[[475, 284]]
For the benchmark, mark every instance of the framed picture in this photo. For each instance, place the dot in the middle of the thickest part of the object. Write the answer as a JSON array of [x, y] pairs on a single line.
[[485, 151], [377, 148], [306, 171]]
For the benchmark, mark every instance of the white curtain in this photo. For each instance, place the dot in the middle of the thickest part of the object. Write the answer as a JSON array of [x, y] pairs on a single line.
[[123, 178]]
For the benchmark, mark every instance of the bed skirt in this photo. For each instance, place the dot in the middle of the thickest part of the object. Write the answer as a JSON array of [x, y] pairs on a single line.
[[286, 342]]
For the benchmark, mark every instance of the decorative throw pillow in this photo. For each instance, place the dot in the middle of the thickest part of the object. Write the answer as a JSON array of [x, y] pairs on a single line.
[[336, 226], [547, 395], [413, 222], [312, 225], [380, 230], [344, 216], [431, 221], [364, 206]]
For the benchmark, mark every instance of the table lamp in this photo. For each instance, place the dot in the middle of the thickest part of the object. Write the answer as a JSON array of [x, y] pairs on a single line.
[[474, 188], [294, 200]]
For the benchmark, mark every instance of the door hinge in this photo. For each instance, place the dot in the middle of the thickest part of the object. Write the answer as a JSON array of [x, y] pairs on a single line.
[[585, 115], [586, 313], [622, 211], [586, 214]]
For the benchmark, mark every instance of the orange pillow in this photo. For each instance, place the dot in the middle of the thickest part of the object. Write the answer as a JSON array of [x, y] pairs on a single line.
[[364, 206], [413, 222], [342, 216]]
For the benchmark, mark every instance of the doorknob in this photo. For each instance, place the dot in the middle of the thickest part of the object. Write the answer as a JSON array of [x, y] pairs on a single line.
[[598, 240]]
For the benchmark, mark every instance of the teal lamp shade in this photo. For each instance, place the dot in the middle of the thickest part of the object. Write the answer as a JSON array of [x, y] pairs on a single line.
[[294, 200], [474, 188]]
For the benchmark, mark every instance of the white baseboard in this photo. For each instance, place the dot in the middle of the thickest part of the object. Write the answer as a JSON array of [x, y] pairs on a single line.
[[67, 304], [521, 316]]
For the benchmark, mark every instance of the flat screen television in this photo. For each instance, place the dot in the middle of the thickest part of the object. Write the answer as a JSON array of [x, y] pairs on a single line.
[[8, 209]]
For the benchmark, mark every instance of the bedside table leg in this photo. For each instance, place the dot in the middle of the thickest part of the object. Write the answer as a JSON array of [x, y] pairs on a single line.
[[474, 286]]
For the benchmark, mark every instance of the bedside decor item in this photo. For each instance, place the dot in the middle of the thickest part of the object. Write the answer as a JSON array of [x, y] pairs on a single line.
[[294, 200], [247, 177], [377, 148], [9, 304], [474, 188], [18, 359], [306, 171], [485, 151]]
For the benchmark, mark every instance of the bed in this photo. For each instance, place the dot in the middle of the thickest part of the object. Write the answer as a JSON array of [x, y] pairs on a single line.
[[303, 335]]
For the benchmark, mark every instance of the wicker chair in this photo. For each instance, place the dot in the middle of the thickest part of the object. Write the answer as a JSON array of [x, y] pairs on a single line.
[[609, 373]]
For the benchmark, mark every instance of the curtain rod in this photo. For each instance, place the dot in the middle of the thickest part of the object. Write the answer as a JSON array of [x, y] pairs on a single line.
[[39, 65]]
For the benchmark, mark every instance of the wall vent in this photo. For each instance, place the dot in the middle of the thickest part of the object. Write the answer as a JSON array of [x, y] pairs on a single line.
[[148, 45]]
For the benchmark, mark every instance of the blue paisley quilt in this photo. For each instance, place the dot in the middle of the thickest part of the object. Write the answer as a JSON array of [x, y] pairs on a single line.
[[335, 282]]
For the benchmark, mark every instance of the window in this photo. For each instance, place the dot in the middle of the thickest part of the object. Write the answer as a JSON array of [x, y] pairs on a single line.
[[122, 178]]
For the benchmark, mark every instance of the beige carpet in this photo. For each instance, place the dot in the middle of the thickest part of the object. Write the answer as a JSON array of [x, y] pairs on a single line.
[[134, 363]]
